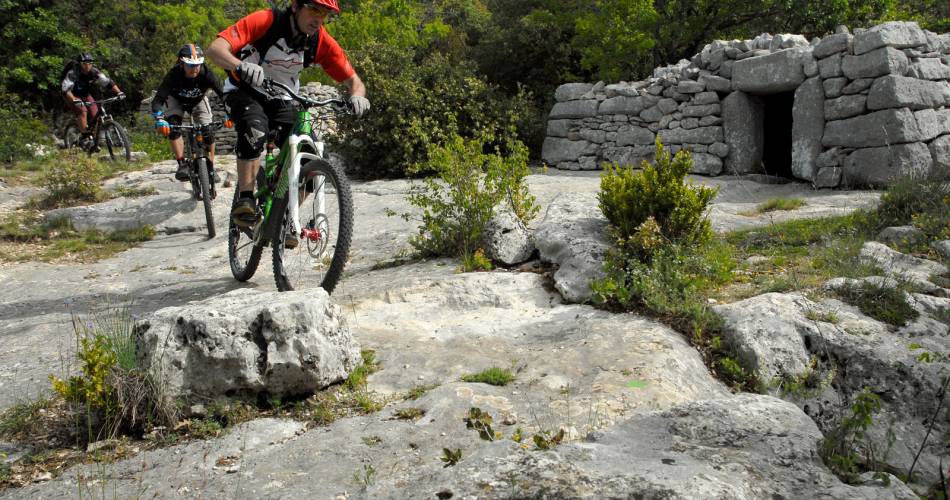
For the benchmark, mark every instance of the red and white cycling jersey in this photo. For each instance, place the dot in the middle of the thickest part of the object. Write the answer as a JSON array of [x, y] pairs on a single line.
[[283, 60]]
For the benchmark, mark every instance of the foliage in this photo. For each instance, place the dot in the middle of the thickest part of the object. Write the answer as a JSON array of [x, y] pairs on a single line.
[[776, 204], [114, 392], [459, 199], [846, 448], [881, 301], [477, 261], [614, 38], [418, 391], [629, 199], [544, 440], [491, 376], [421, 102], [20, 127], [76, 179], [481, 422], [451, 457], [357, 379]]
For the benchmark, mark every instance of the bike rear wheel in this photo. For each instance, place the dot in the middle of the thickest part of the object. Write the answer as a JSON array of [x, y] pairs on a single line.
[[204, 181], [321, 252], [243, 254], [117, 141]]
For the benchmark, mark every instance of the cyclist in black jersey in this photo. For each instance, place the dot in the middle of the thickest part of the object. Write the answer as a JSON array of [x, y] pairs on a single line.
[[183, 91], [78, 85]]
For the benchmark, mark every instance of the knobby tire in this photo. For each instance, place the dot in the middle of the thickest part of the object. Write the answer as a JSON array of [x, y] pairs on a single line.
[[205, 183], [125, 145], [242, 271]]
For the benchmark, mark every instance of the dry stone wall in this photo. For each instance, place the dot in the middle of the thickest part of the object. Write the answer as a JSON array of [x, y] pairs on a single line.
[[866, 108]]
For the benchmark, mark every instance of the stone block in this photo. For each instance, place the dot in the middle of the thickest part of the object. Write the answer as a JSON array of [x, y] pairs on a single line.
[[595, 136], [710, 120], [726, 69], [845, 107], [879, 62], [743, 117], [901, 91], [940, 152], [808, 125], [574, 109], [555, 150], [621, 105], [809, 65], [880, 128], [829, 158], [558, 128], [705, 98], [701, 111], [572, 91], [629, 155], [833, 86], [929, 68], [858, 86], [719, 149], [707, 164], [828, 177], [830, 67], [689, 123], [897, 34], [652, 115], [667, 106], [882, 166], [932, 123], [777, 72], [833, 44], [635, 135], [704, 135], [716, 83], [689, 87]]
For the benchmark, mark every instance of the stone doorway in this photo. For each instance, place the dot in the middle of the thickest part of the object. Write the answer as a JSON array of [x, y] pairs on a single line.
[[777, 133]]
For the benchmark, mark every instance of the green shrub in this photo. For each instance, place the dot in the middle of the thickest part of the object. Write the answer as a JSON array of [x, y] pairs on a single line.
[[491, 376], [421, 103], [776, 204], [880, 301], [629, 199], [20, 127], [846, 448], [459, 200], [74, 179]]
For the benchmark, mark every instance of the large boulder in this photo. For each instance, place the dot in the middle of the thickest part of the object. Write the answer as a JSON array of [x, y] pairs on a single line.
[[506, 238], [574, 236], [883, 61], [905, 92], [574, 109], [247, 343]]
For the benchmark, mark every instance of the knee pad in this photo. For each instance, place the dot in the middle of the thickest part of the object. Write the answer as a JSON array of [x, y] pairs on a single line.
[[174, 120], [251, 139]]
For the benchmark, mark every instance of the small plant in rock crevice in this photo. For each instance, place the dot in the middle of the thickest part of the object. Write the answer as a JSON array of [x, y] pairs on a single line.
[[846, 449], [451, 457], [491, 376]]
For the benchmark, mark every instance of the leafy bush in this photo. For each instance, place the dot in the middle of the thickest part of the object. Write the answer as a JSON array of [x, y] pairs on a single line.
[[846, 449], [73, 179], [20, 127], [112, 393], [420, 103], [459, 200], [629, 199]]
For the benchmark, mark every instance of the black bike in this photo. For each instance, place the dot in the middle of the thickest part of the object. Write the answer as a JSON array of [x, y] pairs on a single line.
[[200, 169], [104, 130]]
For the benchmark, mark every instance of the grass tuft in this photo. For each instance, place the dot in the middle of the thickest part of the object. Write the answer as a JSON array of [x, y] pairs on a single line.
[[777, 204], [492, 376]]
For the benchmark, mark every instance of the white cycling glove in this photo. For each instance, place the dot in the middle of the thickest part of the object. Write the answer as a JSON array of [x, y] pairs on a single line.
[[250, 73], [360, 105]]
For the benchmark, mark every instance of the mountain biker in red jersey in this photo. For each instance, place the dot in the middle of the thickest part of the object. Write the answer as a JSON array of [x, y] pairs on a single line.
[[275, 44], [78, 85], [183, 91]]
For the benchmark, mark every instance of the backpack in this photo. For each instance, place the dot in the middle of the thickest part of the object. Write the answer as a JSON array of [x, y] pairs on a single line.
[[263, 44], [70, 65]]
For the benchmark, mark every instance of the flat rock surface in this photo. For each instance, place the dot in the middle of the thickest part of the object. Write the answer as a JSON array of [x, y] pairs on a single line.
[[576, 366]]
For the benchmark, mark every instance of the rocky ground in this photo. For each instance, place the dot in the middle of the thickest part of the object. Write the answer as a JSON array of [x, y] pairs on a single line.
[[641, 414]]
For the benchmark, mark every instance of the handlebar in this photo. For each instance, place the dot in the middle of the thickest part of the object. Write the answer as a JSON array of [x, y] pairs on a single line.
[[212, 126], [101, 101], [273, 89]]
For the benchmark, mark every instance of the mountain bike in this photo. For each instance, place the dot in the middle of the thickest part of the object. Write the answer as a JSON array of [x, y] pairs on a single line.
[[104, 130], [300, 193], [200, 169]]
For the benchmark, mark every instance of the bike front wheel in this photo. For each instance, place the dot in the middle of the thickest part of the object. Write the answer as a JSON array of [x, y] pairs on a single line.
[[244, 254], [326, 220], [204, 180], [117, 141]]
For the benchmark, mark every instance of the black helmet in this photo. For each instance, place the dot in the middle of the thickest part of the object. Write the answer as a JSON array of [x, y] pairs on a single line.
[[85, 57], [191, 54]]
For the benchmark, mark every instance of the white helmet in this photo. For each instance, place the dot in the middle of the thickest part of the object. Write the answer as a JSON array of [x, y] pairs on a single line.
[[191, 54]]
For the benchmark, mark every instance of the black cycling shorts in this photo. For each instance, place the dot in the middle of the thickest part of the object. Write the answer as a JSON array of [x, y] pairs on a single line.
[[254, 118]]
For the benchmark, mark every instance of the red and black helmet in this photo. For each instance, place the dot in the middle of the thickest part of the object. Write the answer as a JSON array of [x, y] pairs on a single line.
[[329, 4]]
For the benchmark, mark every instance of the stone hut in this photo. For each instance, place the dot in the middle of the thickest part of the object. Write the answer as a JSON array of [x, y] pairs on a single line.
[[859, 109]]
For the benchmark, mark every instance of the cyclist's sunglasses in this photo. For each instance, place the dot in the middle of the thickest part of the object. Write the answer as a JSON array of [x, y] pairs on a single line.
[[192, 66]]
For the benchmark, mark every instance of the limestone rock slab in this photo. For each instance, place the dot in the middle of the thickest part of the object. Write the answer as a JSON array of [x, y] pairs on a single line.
[[743, 118], [897, 34], [880, 128], [808, 125], [777, 72], [572, 91], [883, 165], [879, 62], [904, 92], [573, 235]]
